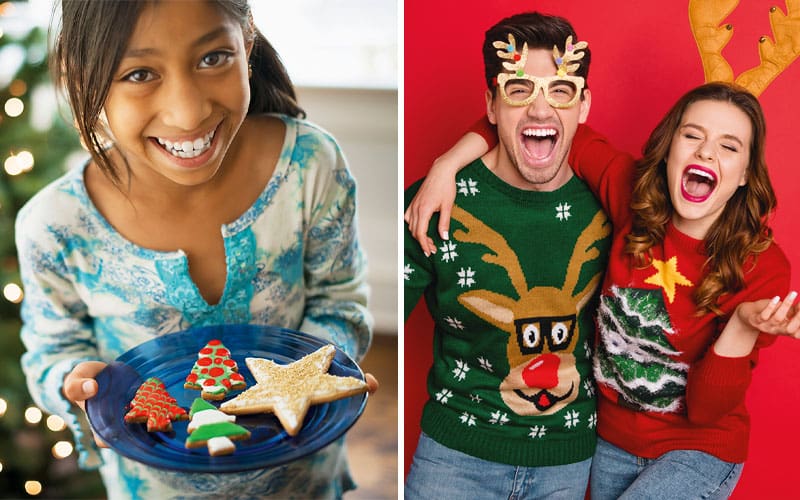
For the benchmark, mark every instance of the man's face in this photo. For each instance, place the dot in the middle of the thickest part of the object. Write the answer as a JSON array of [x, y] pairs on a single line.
[[535, 139]]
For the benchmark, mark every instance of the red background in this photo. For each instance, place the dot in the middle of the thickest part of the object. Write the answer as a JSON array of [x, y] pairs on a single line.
[[643, 58]]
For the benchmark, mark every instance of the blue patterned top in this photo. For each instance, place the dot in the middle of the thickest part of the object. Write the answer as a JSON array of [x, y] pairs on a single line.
[[90, 294]]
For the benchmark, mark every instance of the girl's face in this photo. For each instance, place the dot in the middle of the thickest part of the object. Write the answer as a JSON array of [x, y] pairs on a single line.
[[707, 163], [180, 92]]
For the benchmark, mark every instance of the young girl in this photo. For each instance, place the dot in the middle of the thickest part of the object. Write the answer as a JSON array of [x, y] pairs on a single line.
[[681, 306], [207, 200]]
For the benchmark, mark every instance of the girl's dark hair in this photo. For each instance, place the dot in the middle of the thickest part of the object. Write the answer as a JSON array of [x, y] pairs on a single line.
[[741, 231], [91, 41]]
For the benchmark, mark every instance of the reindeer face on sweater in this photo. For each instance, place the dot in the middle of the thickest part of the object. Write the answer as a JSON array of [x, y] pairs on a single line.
[[542, 322]]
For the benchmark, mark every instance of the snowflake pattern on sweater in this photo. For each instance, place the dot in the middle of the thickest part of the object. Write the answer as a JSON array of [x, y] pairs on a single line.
[[512, 322]]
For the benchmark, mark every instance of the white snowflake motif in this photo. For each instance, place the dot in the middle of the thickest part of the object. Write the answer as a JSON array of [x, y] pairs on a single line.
[[454, 323], [407, 271], [448, 251], [467, 187], [588, 386], [468, 419], [562, 211], [465, 277], [571, 419], [475, 398], [593, 420], [537, 431], [587, 349], [444, 395], [485, 364], [461, 369], [499, 418]]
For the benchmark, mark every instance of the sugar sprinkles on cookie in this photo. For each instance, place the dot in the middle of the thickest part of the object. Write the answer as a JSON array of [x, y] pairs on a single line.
[[289, 390]]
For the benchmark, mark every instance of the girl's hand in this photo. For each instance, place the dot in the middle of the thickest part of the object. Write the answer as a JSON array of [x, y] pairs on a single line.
[[80, 385], [436, 194], [776, 316], [372, 383]]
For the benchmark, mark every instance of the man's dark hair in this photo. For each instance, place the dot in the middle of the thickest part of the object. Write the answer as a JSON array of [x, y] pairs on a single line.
[[540, 31]]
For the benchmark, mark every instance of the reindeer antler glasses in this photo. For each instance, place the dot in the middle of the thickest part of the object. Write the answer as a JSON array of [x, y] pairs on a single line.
[[561, 90]]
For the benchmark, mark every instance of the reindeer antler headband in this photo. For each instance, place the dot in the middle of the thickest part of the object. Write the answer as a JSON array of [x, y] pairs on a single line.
[[519, 89]]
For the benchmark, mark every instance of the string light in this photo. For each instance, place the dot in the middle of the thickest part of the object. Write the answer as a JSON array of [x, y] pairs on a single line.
[[14, 107], [13, 293], [3, 407], [19, 163], [33, 415], [33, 487], [56, 423], [17, 88], [62, 449]]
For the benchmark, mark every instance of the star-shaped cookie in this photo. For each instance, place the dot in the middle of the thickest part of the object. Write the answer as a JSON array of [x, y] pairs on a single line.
[[289, 390]]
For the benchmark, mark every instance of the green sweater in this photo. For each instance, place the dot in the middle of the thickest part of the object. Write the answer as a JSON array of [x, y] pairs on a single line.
[[512, 295]]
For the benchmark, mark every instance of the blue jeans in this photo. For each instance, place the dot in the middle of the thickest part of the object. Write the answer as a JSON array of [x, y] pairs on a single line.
[[442, 473], [675, 475]]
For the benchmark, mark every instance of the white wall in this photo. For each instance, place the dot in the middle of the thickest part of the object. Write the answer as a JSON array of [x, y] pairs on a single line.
[[364, 121]]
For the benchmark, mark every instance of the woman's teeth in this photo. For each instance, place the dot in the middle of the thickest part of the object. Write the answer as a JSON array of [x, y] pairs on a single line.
[[188, 149]]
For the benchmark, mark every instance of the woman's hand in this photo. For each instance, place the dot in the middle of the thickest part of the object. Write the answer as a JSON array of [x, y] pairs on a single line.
[[436, 194], [776, 316], [80, 385], [773, 316]]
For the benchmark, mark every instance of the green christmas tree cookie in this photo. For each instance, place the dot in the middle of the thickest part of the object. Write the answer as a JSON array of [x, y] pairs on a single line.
[[213, 428]]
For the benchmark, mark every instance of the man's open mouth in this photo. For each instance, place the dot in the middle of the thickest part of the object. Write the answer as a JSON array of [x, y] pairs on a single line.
[[539, 142]]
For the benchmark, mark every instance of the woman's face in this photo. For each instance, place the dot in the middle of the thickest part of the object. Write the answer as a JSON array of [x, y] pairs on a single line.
[[707, 163], [180, 92]]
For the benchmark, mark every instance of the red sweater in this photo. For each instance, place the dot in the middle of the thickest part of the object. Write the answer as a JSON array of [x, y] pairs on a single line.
[[661, 387]]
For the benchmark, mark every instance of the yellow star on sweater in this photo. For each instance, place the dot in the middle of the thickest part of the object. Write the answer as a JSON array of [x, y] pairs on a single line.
[[667, 276], [288, 390]]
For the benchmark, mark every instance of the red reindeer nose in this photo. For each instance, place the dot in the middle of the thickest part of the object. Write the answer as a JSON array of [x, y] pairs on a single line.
[[542, 372]]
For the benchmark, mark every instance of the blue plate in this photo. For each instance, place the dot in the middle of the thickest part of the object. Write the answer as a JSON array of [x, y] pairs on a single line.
[[171, 357]]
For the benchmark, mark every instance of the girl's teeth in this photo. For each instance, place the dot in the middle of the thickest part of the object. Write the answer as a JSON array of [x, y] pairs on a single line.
[[188, 149]]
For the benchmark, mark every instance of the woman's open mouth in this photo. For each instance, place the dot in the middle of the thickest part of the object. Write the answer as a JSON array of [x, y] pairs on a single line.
[[697, 183]]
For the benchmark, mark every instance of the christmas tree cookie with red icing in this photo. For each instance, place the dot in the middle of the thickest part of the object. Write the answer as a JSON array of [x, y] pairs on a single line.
[[212, 428], [214, 372], [153, 404]]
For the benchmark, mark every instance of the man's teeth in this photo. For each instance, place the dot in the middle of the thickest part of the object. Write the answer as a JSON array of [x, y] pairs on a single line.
[[539, 132], [188, 149]]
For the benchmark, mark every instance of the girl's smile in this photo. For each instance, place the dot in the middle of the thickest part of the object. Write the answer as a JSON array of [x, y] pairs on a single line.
[[180, 93]]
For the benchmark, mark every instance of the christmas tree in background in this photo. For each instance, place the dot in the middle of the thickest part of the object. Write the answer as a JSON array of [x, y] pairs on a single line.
[[37, 458]]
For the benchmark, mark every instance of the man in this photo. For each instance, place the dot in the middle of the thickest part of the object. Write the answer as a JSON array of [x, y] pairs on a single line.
[[511, 408]]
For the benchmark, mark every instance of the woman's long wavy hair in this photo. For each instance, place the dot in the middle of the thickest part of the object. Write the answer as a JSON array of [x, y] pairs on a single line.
[[739, 234], [91, 41]]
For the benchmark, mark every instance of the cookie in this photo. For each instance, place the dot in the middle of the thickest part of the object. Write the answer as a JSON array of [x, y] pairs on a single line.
[[153, 404], [214, 373], [214, 429], [289, 390]]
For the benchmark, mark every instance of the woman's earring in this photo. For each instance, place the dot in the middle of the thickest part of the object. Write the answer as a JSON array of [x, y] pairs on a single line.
[[249, 70]]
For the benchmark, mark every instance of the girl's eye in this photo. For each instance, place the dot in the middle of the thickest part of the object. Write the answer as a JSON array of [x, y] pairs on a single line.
[[138, 76], [730, 148], [215, 59], [691, 136]]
